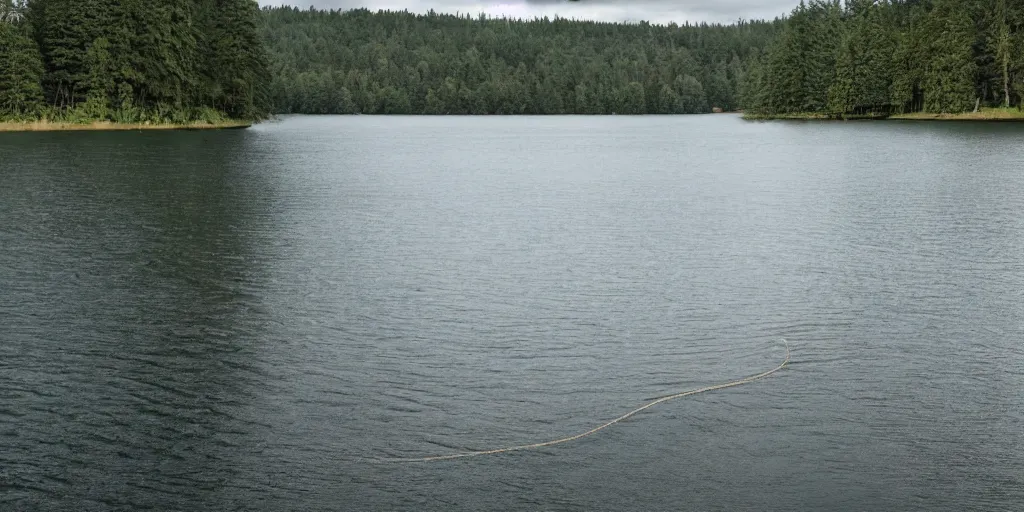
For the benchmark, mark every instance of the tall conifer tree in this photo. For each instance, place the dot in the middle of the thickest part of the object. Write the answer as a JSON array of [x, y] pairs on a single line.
[[21, 65], [950, 73]]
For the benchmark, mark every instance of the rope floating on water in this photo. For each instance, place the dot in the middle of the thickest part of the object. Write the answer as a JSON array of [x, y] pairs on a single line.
[[634, 412]]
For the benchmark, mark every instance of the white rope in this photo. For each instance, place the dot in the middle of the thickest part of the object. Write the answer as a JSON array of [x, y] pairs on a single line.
[[634, 412]]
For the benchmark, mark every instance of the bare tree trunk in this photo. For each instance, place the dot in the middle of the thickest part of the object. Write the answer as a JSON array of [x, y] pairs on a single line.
[[1006, 79]]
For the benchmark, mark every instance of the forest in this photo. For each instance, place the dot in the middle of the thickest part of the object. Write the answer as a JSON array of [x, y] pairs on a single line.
[[357, 61], [876, 58], [133, 61], [184, 60], [871, 58]]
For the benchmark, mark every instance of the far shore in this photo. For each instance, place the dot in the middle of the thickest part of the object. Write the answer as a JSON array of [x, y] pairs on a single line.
[[982, 115], [55, 126], [985, 114]]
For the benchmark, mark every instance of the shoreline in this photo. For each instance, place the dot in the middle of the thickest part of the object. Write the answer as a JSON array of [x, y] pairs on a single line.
[[989, 115], [57, 126], [983, 116]]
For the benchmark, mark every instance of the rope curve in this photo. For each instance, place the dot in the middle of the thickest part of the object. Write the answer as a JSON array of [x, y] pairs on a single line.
[[634, 412]]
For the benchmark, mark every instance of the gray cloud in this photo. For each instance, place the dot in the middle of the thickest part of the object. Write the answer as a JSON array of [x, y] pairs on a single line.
[[658, 11]]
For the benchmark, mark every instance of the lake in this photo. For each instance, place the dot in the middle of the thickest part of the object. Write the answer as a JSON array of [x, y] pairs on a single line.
[[254, 319]]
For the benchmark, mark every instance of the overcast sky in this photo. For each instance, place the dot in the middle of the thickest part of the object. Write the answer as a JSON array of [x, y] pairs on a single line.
[[657, 11]]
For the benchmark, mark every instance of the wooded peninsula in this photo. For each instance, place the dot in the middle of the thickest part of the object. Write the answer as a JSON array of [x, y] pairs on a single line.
[[159, 63], [227, 62]]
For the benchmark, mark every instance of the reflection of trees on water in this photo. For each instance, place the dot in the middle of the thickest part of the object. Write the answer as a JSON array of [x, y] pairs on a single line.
[[144, 248]]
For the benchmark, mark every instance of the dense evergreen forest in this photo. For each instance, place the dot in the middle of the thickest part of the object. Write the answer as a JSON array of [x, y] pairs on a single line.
[[133, 61], [882, 57], [333, 62], [178, 61]]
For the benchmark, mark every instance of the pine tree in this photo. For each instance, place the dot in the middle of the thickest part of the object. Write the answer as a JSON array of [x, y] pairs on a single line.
[[1017, 56], [549, 100], [669, 101], [345, 104], [753, 88], [235, 68], [691, 95], [505, 66], [719, 88], [909, 62], [434, 104], [842, 96], [950, 73], [786, 67], [394, 101], [630, 99], [863, 79], [69, 28], [1001, 45], [874, 82], [161, 49], [818, 40], [133, 60], [894, 56], [100, 83], [21, 66]]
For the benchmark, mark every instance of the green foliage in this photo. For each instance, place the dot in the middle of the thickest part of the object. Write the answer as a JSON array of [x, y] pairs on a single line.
[[892, 57], [100, 80], [21, 72], [753, 88], [908, 67], [800, 66], [236, 62], [632, 99], [669, 101], [949, 77], [397, 62], [1000, 35], [692, 99], [182, 61], [132, 60], [863, 79]]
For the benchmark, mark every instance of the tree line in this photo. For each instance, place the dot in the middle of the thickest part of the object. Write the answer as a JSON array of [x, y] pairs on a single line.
[[883, 57], [185, 60], [358, 61], [161, 61]]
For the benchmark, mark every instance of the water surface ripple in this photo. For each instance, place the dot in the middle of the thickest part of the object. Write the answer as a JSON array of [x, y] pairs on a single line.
[[238, 320]]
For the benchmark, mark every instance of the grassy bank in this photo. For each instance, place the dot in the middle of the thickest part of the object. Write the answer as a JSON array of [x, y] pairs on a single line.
[[985, 114], [811, 116], [750, 116], [57, 126]]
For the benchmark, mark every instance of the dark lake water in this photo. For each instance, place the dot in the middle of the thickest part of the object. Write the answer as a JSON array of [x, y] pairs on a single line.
[[249, 319]]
